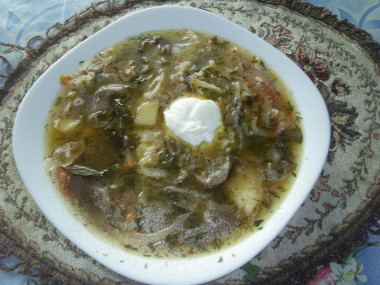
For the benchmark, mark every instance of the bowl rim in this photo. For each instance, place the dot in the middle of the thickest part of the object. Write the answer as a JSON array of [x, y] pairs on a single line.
[[200, 268]]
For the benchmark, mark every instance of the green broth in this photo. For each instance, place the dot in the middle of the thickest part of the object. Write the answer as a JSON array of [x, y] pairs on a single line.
[[130, 178]]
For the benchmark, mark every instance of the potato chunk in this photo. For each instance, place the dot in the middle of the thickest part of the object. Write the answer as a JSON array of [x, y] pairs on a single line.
[[244, 189], [147, 114]]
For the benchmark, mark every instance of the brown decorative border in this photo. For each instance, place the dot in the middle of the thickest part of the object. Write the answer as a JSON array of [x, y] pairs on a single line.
[[323, 15], [333, 247], [294, 270]]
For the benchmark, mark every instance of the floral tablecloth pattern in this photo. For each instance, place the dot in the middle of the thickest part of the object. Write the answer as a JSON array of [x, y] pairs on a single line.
[[23, 20], [362, 267]]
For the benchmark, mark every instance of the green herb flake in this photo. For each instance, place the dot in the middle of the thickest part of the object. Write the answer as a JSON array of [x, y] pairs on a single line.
[[273, 193], [252, 272], [290, 106], [58, 101], [258, 222], [283, 189], [220, 259], [214, 39]]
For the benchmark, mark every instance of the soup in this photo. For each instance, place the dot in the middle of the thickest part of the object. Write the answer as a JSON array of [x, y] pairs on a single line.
[[173, 142]]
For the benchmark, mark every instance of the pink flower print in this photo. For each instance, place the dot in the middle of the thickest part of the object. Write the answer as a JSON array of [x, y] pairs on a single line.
[[279, 37], [323, 277], [314, 67]]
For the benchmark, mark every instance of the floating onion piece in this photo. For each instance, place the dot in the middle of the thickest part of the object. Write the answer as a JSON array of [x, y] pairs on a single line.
[[154, 172], [155, 86], [119, 89], [204, 84], [190, 193], [141, 239], [84, 171]]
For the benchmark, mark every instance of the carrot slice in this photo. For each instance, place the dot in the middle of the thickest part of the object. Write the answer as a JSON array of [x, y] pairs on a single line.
[[63, 79]]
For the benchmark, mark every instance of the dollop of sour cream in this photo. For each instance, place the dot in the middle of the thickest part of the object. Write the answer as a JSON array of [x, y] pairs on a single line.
[[193, 120]]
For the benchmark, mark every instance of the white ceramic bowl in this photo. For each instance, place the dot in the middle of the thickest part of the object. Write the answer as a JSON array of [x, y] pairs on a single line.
[[28, 141]]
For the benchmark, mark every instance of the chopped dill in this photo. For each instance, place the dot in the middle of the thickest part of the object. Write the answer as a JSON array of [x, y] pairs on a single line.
[[273, 193], [127, 246], [290, 106], [58, 101], [281, 188]]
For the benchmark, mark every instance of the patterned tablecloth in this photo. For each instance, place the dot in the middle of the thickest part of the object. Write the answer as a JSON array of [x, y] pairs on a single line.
[[21, 23]]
